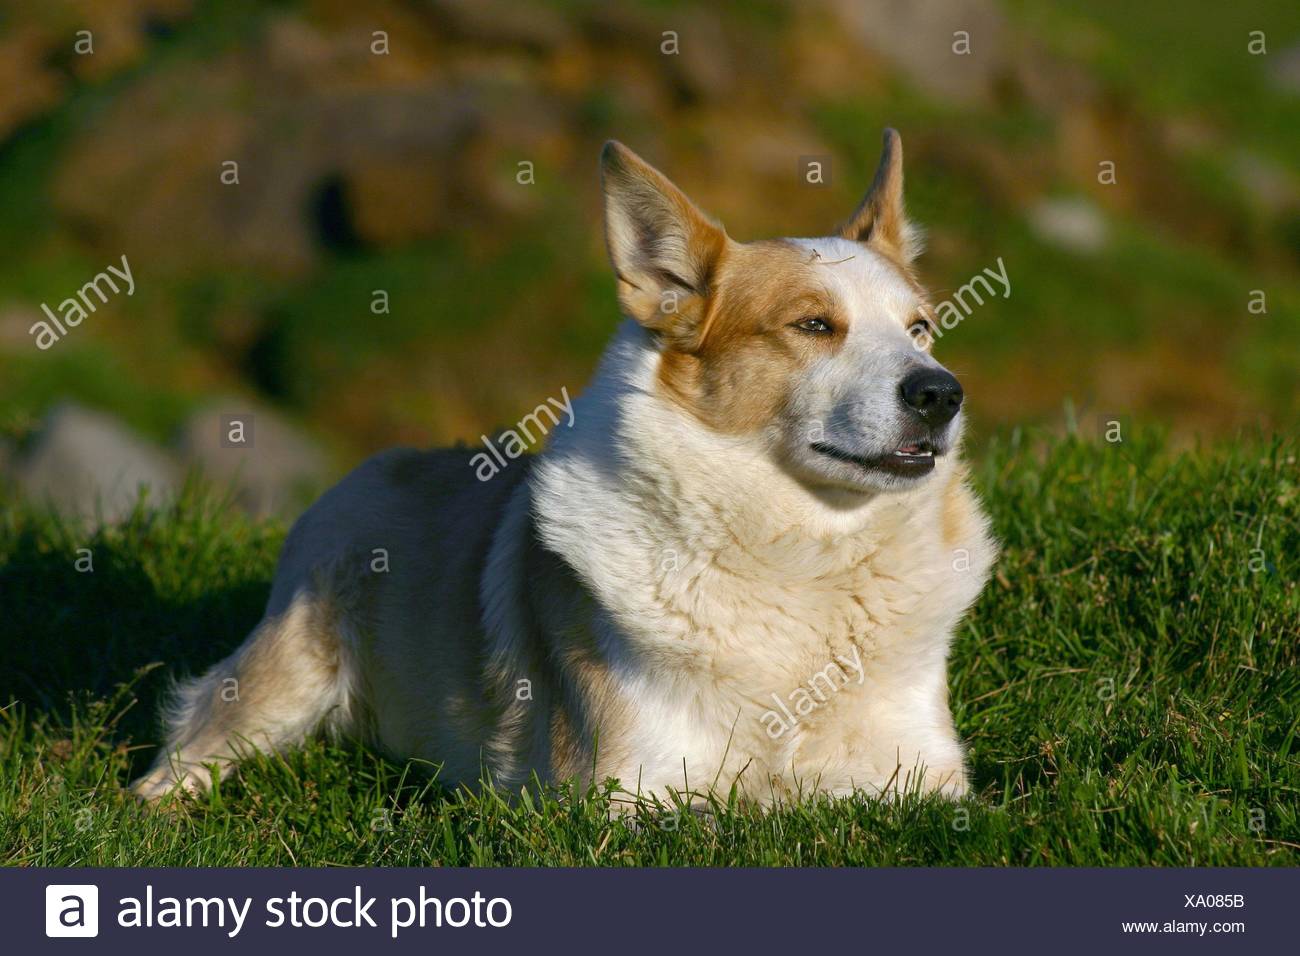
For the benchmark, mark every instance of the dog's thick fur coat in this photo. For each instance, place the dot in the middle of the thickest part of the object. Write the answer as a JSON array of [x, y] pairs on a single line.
[[636, 601]]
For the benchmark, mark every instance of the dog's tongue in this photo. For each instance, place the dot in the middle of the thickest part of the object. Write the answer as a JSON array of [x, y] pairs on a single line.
[[910, 449]]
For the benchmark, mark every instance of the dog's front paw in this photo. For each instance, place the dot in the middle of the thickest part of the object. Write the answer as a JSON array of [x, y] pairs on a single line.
[[163, 781]]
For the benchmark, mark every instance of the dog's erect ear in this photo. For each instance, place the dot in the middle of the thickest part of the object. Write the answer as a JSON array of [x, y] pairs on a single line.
[[879, 220], [664, 249]]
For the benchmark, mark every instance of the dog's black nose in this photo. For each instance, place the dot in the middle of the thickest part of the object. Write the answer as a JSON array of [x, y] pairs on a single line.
[[933, 393]]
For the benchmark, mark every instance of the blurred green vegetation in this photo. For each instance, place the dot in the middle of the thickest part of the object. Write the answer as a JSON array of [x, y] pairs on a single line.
[[499, 293]]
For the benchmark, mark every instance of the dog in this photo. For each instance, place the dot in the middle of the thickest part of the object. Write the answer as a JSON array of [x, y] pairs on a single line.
[[739, 570]]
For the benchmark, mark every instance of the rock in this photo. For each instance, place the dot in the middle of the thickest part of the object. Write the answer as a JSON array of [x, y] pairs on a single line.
[[29, 85], [305, 139], [920, 40], [39, 49], [1284, 72], [1270, 185], [119, 32], [270, 466], [705, 68], [88, 465], [531, 26], [396, 201], [1072, 224], [16, 322]]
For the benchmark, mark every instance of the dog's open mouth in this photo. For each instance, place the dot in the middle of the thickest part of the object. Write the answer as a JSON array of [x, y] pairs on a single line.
[[910, 458]]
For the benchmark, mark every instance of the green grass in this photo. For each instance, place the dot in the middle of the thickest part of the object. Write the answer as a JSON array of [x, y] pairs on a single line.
[[1128, 685]]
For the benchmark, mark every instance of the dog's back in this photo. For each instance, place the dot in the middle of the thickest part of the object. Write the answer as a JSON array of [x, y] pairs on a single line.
[[376, 600]]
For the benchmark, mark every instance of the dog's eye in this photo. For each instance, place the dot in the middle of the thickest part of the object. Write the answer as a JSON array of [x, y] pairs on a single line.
[[816, 324], [921, 329]]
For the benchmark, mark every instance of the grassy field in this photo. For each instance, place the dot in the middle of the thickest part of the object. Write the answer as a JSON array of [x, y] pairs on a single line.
[[1128, 685]]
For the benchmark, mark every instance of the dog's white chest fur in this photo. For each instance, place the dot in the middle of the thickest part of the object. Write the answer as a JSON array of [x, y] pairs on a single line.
[[755, 629]]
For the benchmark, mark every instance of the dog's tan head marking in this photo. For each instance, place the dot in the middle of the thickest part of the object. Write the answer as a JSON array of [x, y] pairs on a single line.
[[808, 340]]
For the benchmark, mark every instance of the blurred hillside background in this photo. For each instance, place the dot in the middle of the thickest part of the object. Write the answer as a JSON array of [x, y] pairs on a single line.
[[381, 146]]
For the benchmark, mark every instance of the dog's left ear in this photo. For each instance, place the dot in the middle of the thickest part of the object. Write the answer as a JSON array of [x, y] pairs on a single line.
[[879, 220]]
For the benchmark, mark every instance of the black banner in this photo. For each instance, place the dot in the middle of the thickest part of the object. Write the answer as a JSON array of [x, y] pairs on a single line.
[[648, 911]]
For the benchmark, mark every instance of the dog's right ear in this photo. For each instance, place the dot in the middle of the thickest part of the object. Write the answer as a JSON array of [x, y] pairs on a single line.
[[663, 248]]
